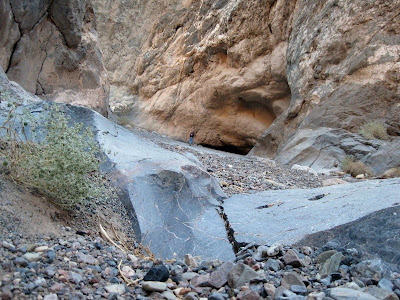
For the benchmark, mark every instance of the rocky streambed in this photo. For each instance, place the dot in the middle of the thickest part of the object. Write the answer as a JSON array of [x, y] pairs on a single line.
[[84, 266]]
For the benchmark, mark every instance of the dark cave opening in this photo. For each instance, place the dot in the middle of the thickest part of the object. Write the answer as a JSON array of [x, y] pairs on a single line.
[[229, 148]]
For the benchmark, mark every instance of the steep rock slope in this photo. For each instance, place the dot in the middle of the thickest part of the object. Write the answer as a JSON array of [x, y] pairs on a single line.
[[215, 67], [50, 49], [343, 70]]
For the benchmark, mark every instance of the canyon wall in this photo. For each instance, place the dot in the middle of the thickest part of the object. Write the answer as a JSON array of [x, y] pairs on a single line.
[[343, 69], [50, 48], [228, 70], [214, 67]]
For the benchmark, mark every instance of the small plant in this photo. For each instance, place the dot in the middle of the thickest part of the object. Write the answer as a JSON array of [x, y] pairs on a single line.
[[372, 130], [392, 173], [354, 168], [59, 160]]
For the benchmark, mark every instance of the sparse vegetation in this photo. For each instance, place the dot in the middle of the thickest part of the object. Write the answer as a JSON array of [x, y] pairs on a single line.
[[59, 160], [354, 168], [392, 173], [373, 129]]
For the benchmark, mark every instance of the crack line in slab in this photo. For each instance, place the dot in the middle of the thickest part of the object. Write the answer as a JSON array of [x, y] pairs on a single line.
[[229, 231]]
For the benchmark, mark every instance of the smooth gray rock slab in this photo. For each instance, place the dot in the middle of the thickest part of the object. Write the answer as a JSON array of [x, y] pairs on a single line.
[[172, 201], [293, 216]]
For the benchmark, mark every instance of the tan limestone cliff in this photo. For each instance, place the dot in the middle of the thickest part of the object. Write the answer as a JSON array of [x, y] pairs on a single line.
[[214, 67]]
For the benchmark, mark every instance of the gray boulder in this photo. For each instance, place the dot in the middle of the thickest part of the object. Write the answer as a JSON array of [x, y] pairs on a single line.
[[297, 216], [173, 203]]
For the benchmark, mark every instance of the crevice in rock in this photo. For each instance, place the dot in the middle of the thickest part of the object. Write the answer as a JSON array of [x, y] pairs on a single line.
[[41, 67], [230, 232], [16, 43], [54, 23]]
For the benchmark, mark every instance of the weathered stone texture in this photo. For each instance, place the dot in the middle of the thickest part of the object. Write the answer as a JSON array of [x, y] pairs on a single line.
[[217, 68], [343, 70], [50, 49]]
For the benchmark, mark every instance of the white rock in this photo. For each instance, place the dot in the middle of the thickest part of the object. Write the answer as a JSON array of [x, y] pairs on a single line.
[[274, 249], [40, 281], [51, 297], [41, 248], [115, 288], [360, 176], [154, 286], [128, 271], [190, 261], [133, 258], [8, 245]]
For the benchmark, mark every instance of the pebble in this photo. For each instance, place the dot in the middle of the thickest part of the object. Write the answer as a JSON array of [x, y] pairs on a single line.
[[157, 273], [41, 248], [32, 257], [154, 286], [115, 288], [92, 272]]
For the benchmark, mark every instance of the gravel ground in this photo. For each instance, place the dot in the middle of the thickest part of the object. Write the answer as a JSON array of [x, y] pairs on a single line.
[[238, 173], [84, 266]]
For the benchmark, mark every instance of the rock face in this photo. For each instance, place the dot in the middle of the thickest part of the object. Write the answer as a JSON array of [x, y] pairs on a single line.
[[343, 70], [228, 69], [50, 49], [215, 67], [298, 76]]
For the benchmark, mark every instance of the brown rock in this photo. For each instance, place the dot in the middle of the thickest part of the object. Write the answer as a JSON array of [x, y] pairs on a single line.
[[291, 278], [200, 280], [219, 277], [240, 275], [291, 258], [248, 295]]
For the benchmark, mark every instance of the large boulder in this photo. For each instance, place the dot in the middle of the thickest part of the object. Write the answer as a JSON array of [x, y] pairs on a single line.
[[174, 204], [374, 235], [324, 148]]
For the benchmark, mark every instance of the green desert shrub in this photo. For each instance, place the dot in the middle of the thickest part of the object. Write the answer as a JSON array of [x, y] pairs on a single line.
[[60, 160], [374, 129], [354, 168]]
